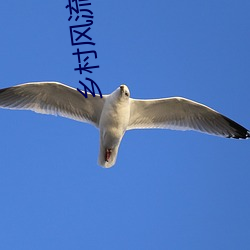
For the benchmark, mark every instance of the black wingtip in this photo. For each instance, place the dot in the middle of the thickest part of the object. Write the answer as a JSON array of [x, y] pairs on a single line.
[[239, 131], [248, 134]]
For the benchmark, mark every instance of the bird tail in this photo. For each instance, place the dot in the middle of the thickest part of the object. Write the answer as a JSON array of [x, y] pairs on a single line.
[[102, 159]]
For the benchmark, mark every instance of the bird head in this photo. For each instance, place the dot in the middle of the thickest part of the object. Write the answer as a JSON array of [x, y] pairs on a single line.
[[124, 91]]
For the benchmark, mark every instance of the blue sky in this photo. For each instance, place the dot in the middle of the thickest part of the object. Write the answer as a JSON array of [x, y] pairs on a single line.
[[169, 189]]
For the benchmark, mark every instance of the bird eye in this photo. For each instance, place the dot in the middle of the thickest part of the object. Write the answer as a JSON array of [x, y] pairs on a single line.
[[126, 93]]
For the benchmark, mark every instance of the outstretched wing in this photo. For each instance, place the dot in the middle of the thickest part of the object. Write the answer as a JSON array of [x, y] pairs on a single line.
[[53, 98], [182, 114]]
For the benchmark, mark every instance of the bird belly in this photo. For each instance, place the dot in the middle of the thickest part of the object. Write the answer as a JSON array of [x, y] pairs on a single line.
[[113, 124]]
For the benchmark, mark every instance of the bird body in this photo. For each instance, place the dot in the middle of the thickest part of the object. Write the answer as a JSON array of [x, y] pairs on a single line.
[[116, 113], [113, 124]]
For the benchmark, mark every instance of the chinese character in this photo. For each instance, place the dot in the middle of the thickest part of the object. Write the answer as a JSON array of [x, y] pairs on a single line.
[[86, 67], [85, 94], [76, 9], [81, 33]]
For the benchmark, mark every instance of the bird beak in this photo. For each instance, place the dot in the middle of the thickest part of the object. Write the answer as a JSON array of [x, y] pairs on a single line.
[[122, 88]]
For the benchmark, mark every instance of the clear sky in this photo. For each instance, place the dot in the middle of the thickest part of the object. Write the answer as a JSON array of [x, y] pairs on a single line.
[[169, 189]]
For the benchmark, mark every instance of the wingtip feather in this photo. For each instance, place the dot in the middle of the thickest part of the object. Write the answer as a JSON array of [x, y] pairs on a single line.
[[239, 131]]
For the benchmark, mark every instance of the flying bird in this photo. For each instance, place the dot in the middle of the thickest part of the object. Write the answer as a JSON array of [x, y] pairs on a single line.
[[116, 113]]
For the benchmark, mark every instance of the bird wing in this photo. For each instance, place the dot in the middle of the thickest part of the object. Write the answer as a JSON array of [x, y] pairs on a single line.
[[182, 114], [53, 98]]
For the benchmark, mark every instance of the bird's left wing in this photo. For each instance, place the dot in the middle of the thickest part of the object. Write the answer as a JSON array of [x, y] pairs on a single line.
[[182, 114], [53, 98]]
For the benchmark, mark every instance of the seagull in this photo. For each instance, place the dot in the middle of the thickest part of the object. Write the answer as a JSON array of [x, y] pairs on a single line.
[[116, 113]]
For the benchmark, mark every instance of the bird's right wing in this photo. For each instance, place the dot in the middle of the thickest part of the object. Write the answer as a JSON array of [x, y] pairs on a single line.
[[182, 114], [55, 99]]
